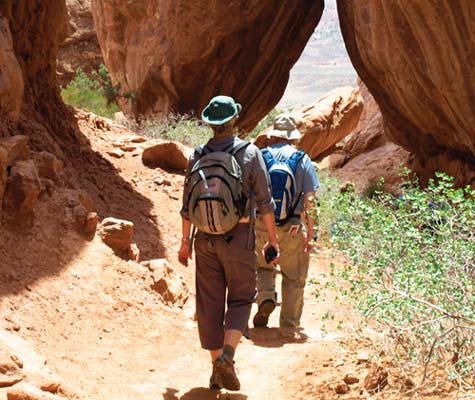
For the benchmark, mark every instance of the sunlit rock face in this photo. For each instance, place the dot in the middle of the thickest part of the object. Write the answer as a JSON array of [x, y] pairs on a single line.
[[36, 29], [176, 55], [417, 59]]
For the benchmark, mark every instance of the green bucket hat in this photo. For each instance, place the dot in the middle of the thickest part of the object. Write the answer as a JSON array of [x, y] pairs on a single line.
[[221, 109]]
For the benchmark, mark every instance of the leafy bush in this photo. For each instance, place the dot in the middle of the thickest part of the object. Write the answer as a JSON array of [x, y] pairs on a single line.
[[182, 128], [413, 270], [94, 93]]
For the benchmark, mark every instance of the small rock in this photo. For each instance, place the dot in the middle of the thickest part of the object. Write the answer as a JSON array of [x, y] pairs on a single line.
[[16, 327], [167, 155], [133, 252], [167, 283], [342, 388], [162, 181], [79, 208], [26, 391], [92, 219], [138, 139], [17, 361], [50, 386], [48, 165], [309, 372], [351, 379], [362, 357], [116, 153], [377, 379], [10, 374], [116, 233], [128, 148], [23, 186]]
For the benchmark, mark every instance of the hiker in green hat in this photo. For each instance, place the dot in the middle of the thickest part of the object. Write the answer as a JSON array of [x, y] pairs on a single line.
[[226, 180]]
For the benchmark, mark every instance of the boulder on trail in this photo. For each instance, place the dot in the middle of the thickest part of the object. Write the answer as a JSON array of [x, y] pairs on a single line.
[[325, 122], [167, 155], [117, 234], [167, 283]]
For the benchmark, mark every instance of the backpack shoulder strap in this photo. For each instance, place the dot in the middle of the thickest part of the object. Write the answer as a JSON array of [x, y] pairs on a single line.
[[202, 150], [268, 157], [238, 147], [294, 159]]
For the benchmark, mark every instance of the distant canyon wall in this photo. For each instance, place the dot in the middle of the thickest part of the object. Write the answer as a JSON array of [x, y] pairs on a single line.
[[176, 55], [81, 48], [417, 60]]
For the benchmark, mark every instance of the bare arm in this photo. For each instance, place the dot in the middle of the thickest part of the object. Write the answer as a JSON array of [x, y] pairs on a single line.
[[184, 254]]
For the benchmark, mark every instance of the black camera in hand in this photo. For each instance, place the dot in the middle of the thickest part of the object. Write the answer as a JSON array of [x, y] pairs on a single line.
[[270, 254]]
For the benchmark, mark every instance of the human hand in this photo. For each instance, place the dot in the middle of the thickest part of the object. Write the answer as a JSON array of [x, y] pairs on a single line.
[[184, 253], [267, 247]]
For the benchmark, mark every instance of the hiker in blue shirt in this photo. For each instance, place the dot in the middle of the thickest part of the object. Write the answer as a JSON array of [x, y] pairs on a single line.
[[294, 182]]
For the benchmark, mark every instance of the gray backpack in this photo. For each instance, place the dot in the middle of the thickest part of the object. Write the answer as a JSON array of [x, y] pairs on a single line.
[[215, 199]]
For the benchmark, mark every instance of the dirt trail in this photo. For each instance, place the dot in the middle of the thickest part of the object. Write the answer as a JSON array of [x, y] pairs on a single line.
[[108, 335]]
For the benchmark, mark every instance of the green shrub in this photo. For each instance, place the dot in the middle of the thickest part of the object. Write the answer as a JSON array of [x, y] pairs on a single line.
[[413, 269], [182, 128], [91, 93]]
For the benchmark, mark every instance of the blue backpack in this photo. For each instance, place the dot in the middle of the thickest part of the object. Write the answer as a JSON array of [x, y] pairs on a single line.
[[282, 177]]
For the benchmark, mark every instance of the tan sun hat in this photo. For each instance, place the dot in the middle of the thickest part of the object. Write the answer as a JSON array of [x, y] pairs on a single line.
[[285, 126]]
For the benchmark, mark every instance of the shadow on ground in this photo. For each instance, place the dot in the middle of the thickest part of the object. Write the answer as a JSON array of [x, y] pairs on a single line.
[[277, 337], [33, 249], [201, 393]]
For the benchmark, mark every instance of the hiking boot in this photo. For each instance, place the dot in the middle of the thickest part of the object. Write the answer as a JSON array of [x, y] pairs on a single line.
[[262, 316], [224, 374], [215, 381]]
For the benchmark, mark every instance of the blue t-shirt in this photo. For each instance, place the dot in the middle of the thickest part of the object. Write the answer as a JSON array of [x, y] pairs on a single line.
[[306, 179]]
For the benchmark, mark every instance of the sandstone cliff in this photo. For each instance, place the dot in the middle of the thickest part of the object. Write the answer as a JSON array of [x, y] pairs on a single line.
[[325, 122], [31, 33], [177, 55], [416, 59], [81, 48]]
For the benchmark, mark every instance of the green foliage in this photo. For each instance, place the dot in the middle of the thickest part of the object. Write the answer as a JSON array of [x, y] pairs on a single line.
[[182, 128], [94, 93], [413, 268]]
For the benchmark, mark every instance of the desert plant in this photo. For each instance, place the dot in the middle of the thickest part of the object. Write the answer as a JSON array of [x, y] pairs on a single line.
[[182, 128], [88, 93], [413, 270]]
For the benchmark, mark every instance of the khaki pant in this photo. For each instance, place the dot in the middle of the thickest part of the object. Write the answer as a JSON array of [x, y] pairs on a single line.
[[293, 264]]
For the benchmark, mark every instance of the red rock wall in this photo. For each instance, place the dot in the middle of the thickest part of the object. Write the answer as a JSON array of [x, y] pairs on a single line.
[[176, 55], [416, 58], [81, 48], [37, 28]]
